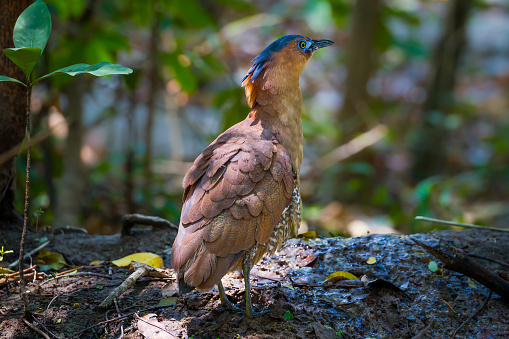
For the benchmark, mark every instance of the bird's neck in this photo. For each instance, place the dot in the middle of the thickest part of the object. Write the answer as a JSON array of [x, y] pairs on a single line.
[[277, 106]]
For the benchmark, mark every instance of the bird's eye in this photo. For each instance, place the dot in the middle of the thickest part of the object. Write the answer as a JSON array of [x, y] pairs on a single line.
[[302, 44]]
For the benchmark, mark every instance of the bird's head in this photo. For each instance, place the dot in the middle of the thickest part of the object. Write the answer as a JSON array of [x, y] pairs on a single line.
[[285, 58]]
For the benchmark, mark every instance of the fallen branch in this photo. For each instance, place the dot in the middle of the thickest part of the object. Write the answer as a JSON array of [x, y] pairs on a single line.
[[140, 270], [460, 224], [473, 315], [129, 220], [465, 265]]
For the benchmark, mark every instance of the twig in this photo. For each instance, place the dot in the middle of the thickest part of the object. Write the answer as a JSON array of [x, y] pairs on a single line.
[[77, 274], [129, 220], [43, 326], [35, 329], [22, 286], [76, 268], [121, 324], [32, 252], [473, 315], [26, 270], [423, 331], [33, 275], [119, 318], [452, 223], [139, 273]]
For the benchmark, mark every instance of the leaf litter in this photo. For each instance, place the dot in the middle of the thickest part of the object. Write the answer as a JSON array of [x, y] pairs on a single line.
[[396, 298]]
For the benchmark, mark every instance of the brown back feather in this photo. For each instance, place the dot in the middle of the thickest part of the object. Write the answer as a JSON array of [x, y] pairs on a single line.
[[234, 195]]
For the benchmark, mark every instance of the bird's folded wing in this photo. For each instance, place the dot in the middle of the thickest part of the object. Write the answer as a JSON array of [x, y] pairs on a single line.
[[234, 195]]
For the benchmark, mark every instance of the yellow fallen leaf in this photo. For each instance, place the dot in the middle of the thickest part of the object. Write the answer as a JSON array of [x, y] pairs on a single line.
[[49, 260], [340, 275], [96, 262], [371, 261], [144, 257], [307, 235]]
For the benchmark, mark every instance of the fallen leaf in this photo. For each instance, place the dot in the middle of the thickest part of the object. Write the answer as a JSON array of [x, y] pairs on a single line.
[[371, 261], [143, 257], [340, 275], [288, 315], [150, 327], [170, 290], [49, 260], [307, 235], [168, 301], [432, 266], [471, 283], [96, 262]]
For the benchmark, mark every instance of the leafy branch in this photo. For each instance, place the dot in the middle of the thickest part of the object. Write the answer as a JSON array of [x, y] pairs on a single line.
[[30, 36]]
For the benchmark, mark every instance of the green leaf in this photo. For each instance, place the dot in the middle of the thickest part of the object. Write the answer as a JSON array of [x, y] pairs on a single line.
[[25, 58], [4, 78], [33, 27], [432, 266], [99, 70], [288, 315], [168, 301]]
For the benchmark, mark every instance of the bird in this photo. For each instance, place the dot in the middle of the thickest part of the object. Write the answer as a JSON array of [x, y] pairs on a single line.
[[241, 195]]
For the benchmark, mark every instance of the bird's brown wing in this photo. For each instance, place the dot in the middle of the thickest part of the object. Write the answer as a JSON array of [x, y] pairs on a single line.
[[234, 196]]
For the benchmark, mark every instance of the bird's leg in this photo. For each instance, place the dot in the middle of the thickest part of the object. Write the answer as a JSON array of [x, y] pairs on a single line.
[[225, 302], [246, 268]]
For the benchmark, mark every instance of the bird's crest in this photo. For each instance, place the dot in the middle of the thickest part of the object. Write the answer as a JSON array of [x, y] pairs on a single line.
[[262, 60]]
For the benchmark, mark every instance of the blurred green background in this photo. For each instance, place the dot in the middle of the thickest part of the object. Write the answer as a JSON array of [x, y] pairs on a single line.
[[407, 115]]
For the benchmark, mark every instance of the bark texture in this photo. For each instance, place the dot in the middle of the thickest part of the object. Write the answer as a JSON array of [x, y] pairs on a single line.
[[12, 111]]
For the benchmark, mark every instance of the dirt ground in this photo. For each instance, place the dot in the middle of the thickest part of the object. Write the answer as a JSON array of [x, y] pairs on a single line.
[[289, 285]]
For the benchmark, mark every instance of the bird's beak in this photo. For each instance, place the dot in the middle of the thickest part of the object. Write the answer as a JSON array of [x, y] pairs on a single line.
[[319, 43]]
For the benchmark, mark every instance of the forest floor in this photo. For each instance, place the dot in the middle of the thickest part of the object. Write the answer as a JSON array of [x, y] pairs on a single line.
[[406, 299]]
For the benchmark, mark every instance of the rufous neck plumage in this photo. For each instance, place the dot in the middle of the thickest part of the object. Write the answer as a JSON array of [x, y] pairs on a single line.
[[276, 102]]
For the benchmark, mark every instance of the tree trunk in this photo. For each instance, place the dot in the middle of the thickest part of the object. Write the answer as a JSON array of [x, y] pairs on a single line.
[[429, 147], [360, 63], [12, 111]]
